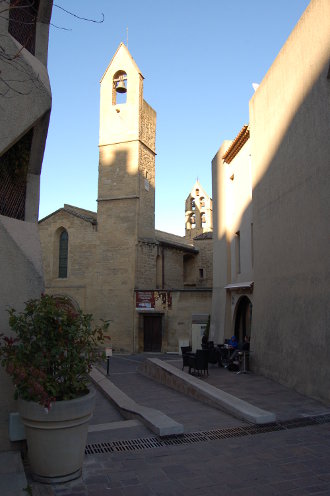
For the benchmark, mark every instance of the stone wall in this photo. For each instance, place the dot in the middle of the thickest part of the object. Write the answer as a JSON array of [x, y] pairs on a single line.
[[146, 265], [173, 268], [204, 261], [176, 316], [81, 257]]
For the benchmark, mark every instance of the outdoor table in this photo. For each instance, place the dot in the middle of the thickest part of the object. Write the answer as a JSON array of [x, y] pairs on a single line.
[[225, 352], [243, 353]]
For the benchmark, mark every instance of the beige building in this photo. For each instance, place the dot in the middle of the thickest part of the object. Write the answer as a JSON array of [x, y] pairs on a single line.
[[113, 263], [25, 108], [233, 249], [271, 193]]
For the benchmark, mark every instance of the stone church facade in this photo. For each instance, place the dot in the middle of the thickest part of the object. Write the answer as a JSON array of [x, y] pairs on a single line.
[[151, 285]]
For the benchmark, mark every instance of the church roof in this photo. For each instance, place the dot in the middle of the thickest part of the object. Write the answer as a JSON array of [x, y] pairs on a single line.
[[86, 215], [172, 240], [205, 235], [123, 47]]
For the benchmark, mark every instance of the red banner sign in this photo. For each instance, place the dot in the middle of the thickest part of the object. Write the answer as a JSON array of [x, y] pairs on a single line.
[[145, 299]]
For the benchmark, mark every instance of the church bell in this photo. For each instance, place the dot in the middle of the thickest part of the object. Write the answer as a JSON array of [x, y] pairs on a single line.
[[121, 88]]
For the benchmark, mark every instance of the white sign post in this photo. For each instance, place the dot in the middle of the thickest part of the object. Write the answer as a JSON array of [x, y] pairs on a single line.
[[108, 354]]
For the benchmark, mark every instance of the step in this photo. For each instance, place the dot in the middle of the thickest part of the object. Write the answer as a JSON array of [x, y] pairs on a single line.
[[175, 378], [155, 420]]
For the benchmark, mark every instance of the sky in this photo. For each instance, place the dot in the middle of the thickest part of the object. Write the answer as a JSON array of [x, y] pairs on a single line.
[[199, 60]]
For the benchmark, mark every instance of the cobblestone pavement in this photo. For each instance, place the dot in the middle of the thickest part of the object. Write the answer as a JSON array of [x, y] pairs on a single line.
[[290, 461]]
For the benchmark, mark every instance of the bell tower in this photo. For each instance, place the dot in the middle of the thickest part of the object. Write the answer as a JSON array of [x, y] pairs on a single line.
[[126, 185], [127, 142], [198, 210]]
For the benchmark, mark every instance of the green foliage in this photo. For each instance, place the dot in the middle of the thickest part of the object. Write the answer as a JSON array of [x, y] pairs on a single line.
[[206, 332], [28, 490], [54, 350]]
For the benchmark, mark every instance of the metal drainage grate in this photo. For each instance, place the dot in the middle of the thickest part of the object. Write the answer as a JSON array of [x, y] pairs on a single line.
[[323, 419], [191, 437], [261, 429], [225, 433], [92, 449], [126, 445], [303, 422], [198, 437]]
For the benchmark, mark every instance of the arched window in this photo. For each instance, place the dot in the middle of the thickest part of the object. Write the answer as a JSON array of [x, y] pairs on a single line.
[[63, 255]]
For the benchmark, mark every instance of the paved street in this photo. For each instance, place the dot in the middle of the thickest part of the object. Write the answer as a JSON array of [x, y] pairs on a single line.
[[219, 455]]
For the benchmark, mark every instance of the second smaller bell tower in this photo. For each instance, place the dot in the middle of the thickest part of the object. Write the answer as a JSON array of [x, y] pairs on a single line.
[[198, 212]]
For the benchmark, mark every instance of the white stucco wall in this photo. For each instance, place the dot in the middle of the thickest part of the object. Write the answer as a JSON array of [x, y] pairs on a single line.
[[232, 193], [21, 280], [25, 104]]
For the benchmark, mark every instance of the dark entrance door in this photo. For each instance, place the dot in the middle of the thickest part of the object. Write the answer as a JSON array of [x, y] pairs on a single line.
[[152, 333], [243, 318]]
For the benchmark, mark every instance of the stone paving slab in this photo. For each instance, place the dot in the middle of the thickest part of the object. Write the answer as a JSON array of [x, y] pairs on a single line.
[[104, 411], [262, 392], [109, 426], [292, 462], [155, 420], [285, 462], [165, 373], [193, 414], [12, 476]]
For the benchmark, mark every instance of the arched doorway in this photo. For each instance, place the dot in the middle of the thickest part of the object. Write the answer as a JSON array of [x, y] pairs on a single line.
[[67, 302], [243, 318]]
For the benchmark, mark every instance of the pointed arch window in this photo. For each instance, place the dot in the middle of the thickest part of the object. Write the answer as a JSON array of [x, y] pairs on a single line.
[[63, 255]]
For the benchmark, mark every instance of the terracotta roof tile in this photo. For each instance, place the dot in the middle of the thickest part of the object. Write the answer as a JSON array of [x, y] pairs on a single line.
[[237, 144]]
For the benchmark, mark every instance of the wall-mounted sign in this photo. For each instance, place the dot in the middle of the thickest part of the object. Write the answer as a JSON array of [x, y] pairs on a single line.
[[165, 297], [145, 299]]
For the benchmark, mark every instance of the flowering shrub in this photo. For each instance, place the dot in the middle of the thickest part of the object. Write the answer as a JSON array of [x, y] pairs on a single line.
[[54, 350]]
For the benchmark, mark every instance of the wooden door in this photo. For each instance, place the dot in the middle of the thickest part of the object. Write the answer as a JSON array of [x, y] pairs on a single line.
[[152, 333]]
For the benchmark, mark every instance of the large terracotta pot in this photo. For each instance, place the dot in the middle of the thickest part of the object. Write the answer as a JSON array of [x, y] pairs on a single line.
[[56, 440]]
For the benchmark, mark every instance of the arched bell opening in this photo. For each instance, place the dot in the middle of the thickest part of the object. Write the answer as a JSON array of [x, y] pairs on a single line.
[[119, 88]]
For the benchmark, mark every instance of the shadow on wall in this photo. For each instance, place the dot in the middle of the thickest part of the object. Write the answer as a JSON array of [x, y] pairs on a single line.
[[291, 204]]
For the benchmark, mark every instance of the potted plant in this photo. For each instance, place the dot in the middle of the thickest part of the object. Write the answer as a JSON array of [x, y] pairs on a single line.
[[49, 359]]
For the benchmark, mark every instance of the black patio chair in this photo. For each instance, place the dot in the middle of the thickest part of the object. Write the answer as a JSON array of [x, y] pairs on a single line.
[[199, 362], [184, 351], [214, 355]]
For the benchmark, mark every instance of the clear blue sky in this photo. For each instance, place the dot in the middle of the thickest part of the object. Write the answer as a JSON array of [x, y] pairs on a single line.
[[199, 60]]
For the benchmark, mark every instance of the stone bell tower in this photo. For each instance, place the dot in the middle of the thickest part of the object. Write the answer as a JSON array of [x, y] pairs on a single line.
[[126, 188], [127, 145], [198, 210]]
